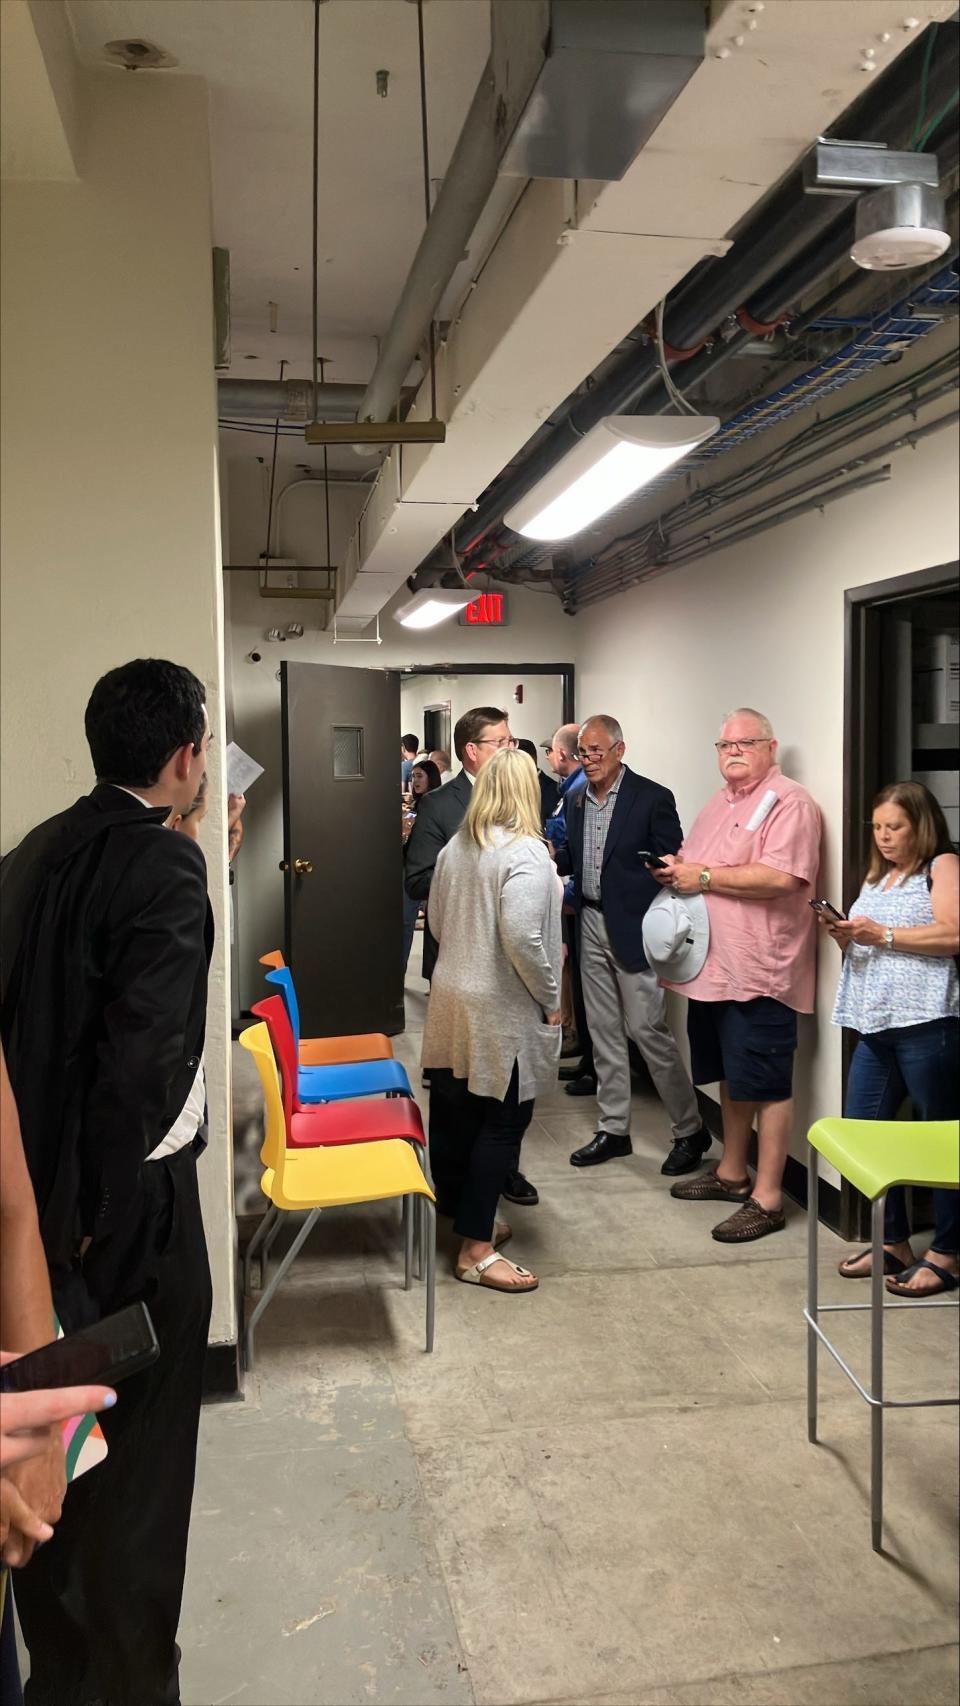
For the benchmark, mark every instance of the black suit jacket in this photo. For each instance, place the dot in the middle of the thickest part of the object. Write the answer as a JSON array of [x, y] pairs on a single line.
[[439, 816], [105, 938], [644, 819]]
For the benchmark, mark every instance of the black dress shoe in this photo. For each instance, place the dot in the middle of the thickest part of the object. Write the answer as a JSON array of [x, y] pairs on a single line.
[[687, 1152], [584, 1085], [567, 1073], [603, 1147], [519, 1190]]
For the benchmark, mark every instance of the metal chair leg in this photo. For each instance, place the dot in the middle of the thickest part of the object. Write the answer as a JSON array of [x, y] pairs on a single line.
[[407, 1242], [813, 1192], [430, 1223], [270, 1290], [266, 1223], [268, 1243], [876, 1375]]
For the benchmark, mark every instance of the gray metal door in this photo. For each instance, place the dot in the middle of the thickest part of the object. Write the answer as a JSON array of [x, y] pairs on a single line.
[[342, 848]]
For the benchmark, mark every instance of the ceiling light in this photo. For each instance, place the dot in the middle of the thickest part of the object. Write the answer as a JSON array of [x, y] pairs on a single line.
[[903, 225], [433, 605], [618, 456]]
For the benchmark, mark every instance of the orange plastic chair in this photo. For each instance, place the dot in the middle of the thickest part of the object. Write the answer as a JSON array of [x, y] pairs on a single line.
[[327, 1051]]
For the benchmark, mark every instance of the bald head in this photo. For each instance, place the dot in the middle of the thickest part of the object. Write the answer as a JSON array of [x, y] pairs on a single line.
[[562, 755]]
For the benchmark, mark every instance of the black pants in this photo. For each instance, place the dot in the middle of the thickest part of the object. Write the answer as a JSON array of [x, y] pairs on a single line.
[[572, 938], [474, 1148], [100, 1603]]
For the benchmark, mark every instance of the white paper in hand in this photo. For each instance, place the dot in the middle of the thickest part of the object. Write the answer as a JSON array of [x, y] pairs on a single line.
[[242, 770]]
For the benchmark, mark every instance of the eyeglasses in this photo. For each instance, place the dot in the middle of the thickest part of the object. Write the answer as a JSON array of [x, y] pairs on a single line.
[[584, 752], [501, 745], [723, 746]]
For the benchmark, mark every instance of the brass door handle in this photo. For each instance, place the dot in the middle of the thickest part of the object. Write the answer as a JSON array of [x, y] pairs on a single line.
[[301, 867]]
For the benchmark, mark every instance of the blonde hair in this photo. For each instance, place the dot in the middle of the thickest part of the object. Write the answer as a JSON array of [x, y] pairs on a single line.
[[505, 795]]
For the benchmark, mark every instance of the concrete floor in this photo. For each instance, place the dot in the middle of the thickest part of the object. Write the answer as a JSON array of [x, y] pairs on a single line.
[[599, 1494]]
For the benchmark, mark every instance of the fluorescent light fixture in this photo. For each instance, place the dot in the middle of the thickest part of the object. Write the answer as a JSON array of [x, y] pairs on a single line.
[[432, 605], [618, 456]]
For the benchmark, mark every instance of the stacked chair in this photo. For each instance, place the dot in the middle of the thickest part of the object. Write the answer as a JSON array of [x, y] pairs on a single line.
[[342, 1130]]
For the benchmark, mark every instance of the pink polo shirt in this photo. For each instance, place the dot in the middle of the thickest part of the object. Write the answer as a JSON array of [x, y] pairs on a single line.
[[759, 947]]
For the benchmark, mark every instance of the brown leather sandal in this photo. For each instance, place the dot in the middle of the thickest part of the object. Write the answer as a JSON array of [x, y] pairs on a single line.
[[709, 1187], [750, 1222]]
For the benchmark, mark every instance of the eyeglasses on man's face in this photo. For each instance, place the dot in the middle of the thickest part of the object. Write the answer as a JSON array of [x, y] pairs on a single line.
[[585, 753], [725, 746], [500, 743]]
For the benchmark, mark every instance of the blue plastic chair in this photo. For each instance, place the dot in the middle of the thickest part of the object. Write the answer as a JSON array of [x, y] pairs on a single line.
[[339, 1082], [326, 1051]]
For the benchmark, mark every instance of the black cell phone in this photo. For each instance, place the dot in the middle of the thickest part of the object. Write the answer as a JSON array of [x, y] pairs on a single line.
[[823, 909], [653, 860], [116, 1347]]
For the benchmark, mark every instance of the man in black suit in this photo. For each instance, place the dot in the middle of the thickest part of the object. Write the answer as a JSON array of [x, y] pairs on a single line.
[[105, 938], [616, 816], [477, 736]]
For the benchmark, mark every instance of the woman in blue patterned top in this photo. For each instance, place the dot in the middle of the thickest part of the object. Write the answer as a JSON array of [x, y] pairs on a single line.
[[899, 989]]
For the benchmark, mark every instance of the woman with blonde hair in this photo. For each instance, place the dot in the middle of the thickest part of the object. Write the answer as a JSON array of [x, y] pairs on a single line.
[[899, 989], [492, 1036]]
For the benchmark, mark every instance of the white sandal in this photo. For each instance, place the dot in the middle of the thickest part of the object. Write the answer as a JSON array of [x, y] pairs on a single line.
[[477, 1275]]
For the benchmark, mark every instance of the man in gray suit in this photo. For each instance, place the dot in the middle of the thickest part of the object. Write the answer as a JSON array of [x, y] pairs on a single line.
[[477, 736]]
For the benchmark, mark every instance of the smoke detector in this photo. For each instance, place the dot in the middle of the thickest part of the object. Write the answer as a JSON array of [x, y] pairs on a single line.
[[900, 226], [137, 55]]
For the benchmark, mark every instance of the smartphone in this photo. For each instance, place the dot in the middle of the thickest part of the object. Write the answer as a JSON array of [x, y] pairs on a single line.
[[116, 1347], [823, 909], [653, 860]]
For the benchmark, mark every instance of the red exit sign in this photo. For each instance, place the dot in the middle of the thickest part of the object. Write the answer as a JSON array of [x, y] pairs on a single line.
[[488, 610]]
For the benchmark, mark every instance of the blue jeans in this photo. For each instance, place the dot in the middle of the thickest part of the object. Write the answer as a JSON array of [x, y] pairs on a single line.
[[411, 911], [919, 1061]]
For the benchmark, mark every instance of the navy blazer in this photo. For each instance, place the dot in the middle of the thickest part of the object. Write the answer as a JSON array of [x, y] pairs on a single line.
[[644, 819]]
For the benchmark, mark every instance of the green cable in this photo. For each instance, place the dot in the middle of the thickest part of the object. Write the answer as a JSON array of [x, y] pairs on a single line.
[[924, 77], [937, 121]]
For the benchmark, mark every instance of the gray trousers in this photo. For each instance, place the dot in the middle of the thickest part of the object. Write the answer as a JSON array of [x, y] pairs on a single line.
[[622, 1004]]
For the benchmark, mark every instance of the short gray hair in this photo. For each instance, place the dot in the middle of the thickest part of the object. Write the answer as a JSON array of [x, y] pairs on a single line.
[[566, 738], [763, 723], [608, 724]]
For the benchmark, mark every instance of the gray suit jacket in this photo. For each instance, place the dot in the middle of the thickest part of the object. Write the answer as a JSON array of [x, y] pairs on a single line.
[[496, 914], [439, 816]]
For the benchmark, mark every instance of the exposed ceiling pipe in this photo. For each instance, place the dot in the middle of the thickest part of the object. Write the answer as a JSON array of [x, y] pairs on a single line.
[[466, 188], [286, 399], [715, 289]]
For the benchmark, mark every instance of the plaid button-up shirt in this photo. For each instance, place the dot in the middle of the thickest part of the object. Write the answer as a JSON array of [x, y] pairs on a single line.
[[596, 827]]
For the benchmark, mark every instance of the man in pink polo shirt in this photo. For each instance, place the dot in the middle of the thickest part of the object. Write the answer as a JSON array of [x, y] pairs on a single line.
[[754, 853]]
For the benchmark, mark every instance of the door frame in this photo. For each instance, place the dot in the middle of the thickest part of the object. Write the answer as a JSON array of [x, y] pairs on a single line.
[[566, 672], [861, 778]]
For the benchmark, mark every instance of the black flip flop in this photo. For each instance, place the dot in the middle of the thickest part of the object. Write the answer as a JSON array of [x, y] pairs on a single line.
[[948, 1282], [891, 1264]]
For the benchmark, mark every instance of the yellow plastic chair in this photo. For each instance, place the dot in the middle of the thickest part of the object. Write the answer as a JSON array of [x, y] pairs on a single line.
[[295, 1180], [874, 1155]]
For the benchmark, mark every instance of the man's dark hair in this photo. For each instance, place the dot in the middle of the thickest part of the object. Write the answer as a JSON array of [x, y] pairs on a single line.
[[138, 716], [410, 743], [471, 725]]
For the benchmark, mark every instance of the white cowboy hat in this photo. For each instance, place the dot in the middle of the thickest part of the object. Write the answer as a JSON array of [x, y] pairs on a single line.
[[676, 935]]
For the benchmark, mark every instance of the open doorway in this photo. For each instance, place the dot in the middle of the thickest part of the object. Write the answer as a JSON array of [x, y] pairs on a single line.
[[901, 723], [536, 698]]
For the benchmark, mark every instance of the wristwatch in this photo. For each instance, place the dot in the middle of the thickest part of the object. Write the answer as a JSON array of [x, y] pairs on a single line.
[[704, 880], [888, 937]]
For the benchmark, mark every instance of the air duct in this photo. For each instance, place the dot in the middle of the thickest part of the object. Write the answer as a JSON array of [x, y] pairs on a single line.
[[286, 400]]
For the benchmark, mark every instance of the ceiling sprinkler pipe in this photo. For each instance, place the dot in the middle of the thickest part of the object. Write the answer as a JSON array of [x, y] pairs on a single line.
[[286, 399]]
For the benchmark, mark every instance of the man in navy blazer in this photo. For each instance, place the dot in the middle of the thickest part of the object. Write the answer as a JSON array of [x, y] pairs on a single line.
[[617, 816]]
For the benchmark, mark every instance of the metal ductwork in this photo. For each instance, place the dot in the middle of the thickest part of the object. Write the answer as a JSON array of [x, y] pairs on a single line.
[[572, 89], [784, 249], [286, 400]]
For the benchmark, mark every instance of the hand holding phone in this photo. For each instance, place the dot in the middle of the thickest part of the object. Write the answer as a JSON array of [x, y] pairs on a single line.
[[652, 861], [27, 1417], [114, 1348], [826, 912]]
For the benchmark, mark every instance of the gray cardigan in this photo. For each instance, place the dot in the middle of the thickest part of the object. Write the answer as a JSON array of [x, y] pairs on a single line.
[[496, 913]]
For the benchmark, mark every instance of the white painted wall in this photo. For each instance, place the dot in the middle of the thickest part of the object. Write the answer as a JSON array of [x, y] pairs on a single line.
[[539, 632], [110, 513], [762, 624]]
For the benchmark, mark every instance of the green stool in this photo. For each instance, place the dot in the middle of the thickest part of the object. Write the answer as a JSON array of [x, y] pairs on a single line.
[[874, 1155]]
